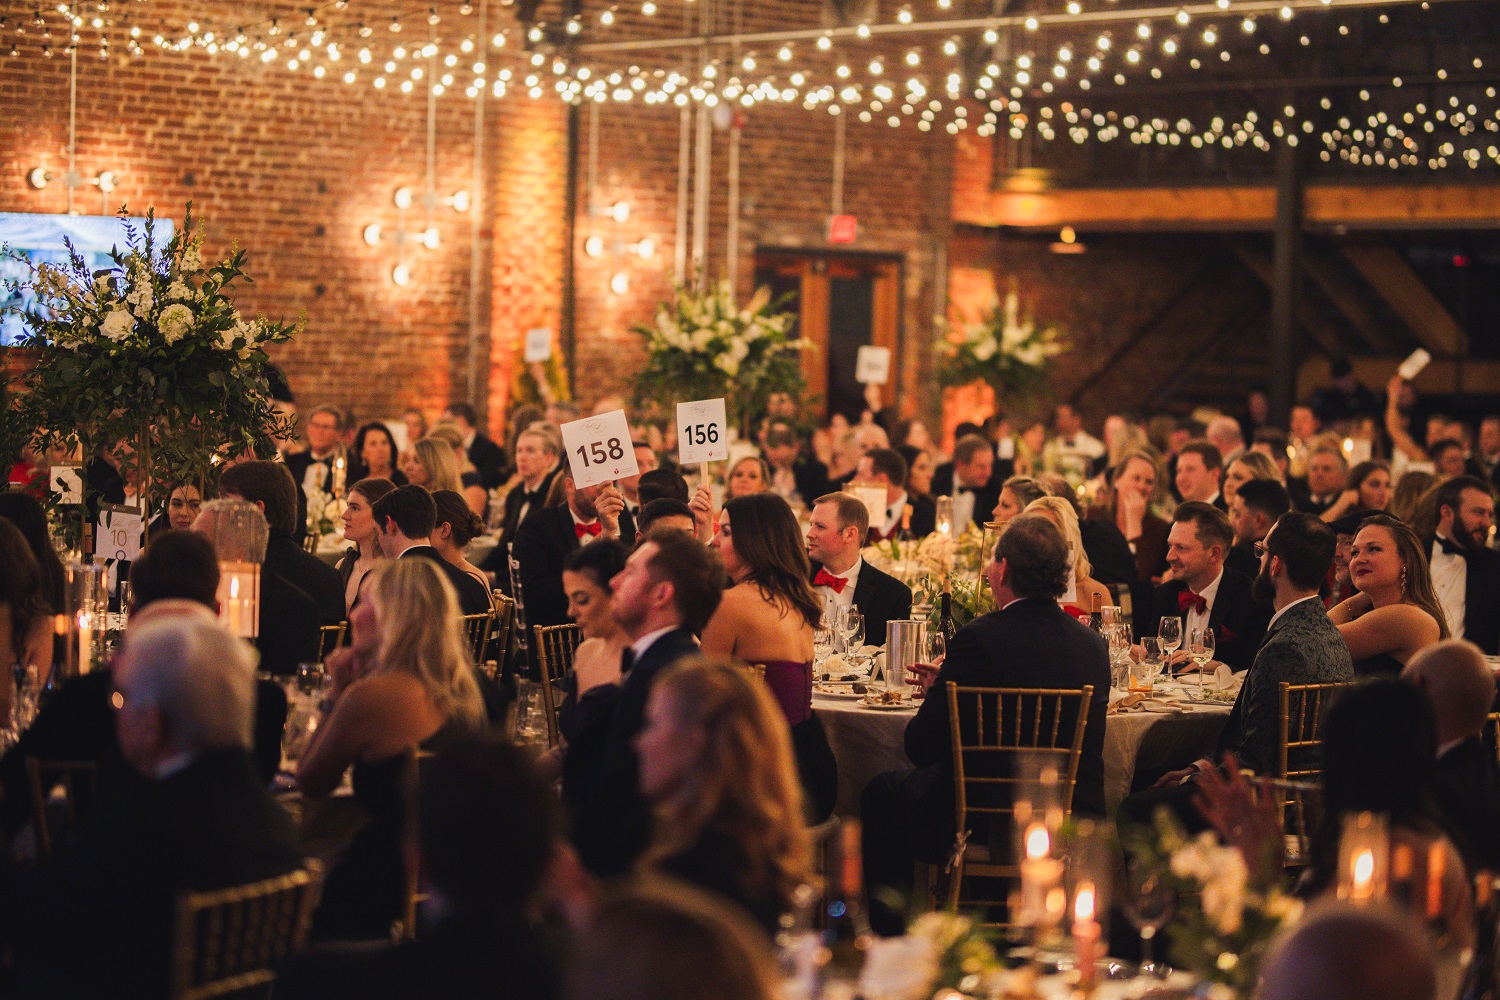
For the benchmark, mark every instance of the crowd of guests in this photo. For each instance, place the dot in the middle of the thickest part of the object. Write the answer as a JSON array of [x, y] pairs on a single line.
[[691, 767]]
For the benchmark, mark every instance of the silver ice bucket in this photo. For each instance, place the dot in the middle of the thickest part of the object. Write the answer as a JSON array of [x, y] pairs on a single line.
[[905, 642]]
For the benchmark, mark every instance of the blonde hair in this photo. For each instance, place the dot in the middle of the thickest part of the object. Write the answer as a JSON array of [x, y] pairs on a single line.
[[744, 785], [440, 461], [446, 431], [1060, 512], [421, 634]]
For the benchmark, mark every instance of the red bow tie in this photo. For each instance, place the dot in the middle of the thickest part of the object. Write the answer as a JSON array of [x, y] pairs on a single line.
[[827, 579], [588, 529], [1187, 600]]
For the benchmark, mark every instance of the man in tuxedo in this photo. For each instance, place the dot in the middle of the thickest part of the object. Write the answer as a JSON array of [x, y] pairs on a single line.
[[1255, 507], [313, 469], [97, 919], [1327, 471], [487, 457], [538, 464], [1029, 642], [1204, 592], [405, 518], [546, 537], [670, 587], [1465, 571], [841, 577], [269, 487], [1301, 647], [289, 617], [1200, 473], [942, 474], [885, 468], [797, 477], [1457, 681], [973, 489]]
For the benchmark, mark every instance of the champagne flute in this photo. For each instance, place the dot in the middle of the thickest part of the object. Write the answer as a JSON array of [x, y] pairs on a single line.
[[1148, 901], [1201, 649], [1170, 633], [849, 621]]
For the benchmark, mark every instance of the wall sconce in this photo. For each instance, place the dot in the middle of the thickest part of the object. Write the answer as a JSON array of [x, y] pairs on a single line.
[[620, 283], [428, 236], [40, 177]]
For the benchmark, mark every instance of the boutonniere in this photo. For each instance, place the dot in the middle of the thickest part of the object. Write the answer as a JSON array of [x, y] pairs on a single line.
[[1227, 634]]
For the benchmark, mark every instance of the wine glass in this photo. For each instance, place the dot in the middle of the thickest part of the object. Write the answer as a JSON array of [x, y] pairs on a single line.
[[1201, 649], [822, 643], [1148, 901], [849, 621], [1170, 633], [1151, 662]]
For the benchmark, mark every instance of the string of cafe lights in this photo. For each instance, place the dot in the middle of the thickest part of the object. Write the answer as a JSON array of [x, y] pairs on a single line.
[[924, 80]]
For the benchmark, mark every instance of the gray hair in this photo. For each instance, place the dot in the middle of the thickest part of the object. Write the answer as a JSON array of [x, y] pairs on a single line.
[[198, 676], [237, 528]]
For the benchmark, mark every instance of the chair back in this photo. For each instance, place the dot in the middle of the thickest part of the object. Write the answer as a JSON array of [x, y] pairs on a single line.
[[231, 940], [554, 645], [1299, 742], [519, 602], [310, 543], [1492, 734], [477, 632], [990, 728], [502, 630], [66, 778], [412, 897], [330, 637]]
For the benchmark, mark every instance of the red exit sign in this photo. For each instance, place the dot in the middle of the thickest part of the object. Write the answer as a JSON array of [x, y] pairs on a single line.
[[842, 229]]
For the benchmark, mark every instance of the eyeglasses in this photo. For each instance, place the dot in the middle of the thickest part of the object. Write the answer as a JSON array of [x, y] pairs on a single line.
[[1260, 550]]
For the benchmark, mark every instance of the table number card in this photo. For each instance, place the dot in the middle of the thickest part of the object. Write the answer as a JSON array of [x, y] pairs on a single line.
[[67, 482], [702, 432], [873, 497], [538, 344], [119, 533], [873, 366], [599, 449]]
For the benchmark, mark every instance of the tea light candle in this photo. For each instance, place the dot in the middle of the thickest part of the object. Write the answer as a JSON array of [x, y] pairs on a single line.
[[85, 641], [1040, 875], [1086, 936], [239, 598], [340, 471], [1364, 858]]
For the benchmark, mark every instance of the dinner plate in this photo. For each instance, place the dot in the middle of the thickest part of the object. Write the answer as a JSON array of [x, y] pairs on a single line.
[[843, 692], [881, 706]]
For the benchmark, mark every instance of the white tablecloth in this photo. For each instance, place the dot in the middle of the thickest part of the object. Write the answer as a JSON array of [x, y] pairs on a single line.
[[868, 741]]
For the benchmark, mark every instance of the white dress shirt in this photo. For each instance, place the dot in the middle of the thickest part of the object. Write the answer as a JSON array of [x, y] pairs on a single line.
[[963, 509], [894, 512], [1450, 578]]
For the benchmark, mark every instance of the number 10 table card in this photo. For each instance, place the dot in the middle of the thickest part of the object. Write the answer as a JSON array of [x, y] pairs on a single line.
[[598, 449]]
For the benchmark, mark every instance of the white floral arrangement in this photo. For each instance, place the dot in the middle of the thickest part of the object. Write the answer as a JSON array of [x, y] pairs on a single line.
[[325, 514], [937, 562], [1009, 353], [940, 953], [704, 345]]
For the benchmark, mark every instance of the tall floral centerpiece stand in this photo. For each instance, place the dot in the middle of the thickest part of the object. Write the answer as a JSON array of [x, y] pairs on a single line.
[[1007, 352], [149, 359], [702, 345]]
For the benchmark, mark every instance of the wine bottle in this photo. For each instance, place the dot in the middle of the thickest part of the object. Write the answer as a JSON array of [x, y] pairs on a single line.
[[945, 616], [1096, 614], [846, 934]]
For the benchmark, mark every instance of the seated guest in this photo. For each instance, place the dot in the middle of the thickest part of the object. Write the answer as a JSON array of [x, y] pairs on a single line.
[[667, 512], [406, 518], [1247, 465], [456, 526], [972, 490], [797, 476], [942, 475], [183, 504], [482, 453], [268, 486], [918, 471], [374, 455], [767, 616], [1461, 688], [748, 475], [717, 766], [405, 682], [470, 486], [26, 513], [1367, 488], [1029, 642], [546, 537], [1395, 611], [1200, 470], [587, 573], [1204, 592], [486, 831], [1110, 559], [97, 919], [664, 940], [537, 451], [669, 589], [1085, 589], [1327, 471], [904, 512], [1126, 500], [841, 577], [660, 483], [1015, 494], [1348, 952], [1465, 570], [646, 461], [359, 527], [1272, 443], [313, 469], [289, 616], [1301, 647], [431, 464], [1256, 505]]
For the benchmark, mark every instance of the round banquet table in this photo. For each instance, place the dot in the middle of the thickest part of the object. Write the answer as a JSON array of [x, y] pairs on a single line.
[[869, 741]]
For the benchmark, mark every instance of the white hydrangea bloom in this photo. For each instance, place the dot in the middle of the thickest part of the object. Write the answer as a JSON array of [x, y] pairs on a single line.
[[175, 322]]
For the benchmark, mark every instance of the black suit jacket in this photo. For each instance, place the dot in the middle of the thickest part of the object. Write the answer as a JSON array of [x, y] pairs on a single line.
[[1109, 554], [311, 575], [298, 465], [1468, 792], [542, 543], [488, 458], [97, 919], [1482, 600], [611, 823], [923, 514], [289, 623], [1030, 643], [880, 598], [1238, 620], [985, 497], [473, 598]]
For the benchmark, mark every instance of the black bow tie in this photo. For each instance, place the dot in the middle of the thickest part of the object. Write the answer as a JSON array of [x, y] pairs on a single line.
[[1452, 547], [965, 489], [627, 660]]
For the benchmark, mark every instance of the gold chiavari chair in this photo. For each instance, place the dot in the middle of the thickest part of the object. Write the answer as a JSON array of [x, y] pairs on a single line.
[[477, 631], [330, 637], [413, 896], [989, 729], [1299, 739], [228, 941], [310, 543], [500, 634], [1492, 732], [47, 776], [554, 646]]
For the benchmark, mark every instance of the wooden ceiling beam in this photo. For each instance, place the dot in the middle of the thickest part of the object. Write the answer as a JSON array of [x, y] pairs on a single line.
[[1323, 333], [1408, 296], [1349, 300]]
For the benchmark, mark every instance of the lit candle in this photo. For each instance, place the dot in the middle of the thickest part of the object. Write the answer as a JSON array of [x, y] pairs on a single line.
[[340, 470], [1086, 935], [1040, 875], [85, 641], [1364, 857], [239, 598], [1362, 874], [1436, 865]]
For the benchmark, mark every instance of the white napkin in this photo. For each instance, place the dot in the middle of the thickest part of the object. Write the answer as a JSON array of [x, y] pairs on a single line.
[[1225, 679]]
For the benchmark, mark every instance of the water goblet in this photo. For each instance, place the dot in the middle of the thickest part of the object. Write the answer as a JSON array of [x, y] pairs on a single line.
[[1148, 901], [1201, 649]]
